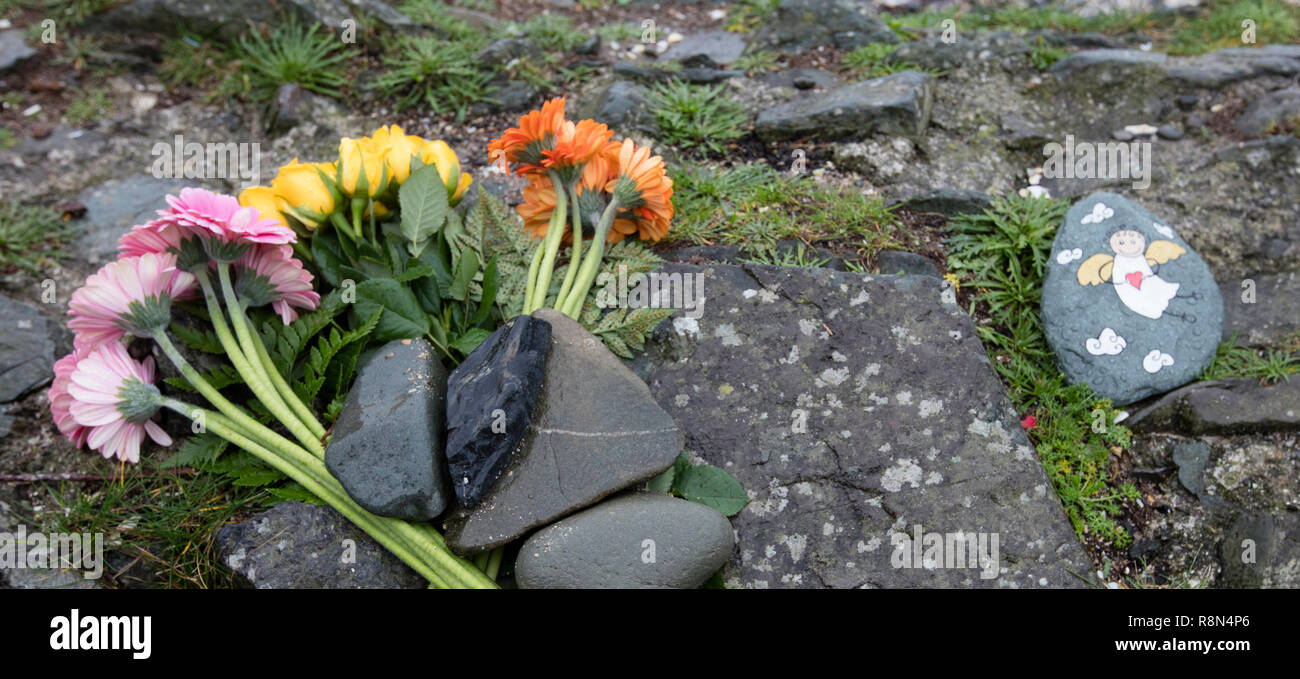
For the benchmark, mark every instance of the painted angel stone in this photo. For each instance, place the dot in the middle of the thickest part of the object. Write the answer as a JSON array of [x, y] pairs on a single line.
[[1128, 307]]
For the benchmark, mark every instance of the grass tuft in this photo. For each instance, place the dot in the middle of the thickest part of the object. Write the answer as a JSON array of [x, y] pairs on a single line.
[[424, 70], [307, 57], [30, 236], [1001, 254], [696, 117]]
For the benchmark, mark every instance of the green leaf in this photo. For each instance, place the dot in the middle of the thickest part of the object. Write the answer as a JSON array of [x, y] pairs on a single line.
[[327, 253], [664, 482], [713, 487], [488, 292], [402, 317], [423, 202], [294, 491], [466, 269], [219, 377], [198, 340], [197, 451], [470, 340], [327, 352]]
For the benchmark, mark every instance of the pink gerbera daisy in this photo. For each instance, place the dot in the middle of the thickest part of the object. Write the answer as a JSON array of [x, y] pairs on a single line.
[[132, 295], [61, 400], [159, 238], [268, 274], [221, 216], [113, 396]]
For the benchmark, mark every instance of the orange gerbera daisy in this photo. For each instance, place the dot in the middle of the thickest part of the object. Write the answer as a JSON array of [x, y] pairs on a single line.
[[525, 146], [539, 203], [574, 146], [643, 189]]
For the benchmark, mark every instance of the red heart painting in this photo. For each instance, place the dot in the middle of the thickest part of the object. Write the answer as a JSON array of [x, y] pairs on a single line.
[[1135, 279]]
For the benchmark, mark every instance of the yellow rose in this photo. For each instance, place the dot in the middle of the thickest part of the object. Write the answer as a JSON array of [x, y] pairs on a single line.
[[301, 186], [363, 167], [397, 148], [439, 154], [264, 200]]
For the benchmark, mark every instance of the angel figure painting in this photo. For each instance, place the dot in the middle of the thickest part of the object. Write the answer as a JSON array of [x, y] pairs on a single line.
[[1133, 270]]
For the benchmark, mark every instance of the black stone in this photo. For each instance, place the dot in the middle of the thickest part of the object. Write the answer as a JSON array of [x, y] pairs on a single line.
[[907, 263], [497, 384], [1169, 132], [1187, 102]]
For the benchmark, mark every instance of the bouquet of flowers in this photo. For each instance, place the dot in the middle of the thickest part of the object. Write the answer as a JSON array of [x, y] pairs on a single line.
[[380, 218]]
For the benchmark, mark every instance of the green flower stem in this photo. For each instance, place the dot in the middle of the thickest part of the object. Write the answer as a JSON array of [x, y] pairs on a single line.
[[242, 363], [494, 563], [256, 378], [531, 283], [481, 561], [554, 235], [287, 393], [358, 204], [252, 427], [402, 539], [575, 256], [572, 305]]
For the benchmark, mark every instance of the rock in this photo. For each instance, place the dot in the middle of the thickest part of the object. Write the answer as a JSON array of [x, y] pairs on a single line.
[[1121, 135], [1261, 551], [506, 50], [935, 54], [1187, 102], [588, 47], [635, 541], [1170, 132], [491, 401], [114, 207], [1109, 65], [26, 352], [950, 202], [1023, 135], [1213, 70], [622, 105], [1191, 457], [509, 95], [799, 25], [906, 263], [1127, 306], [230, 18], [853, 408], [897, 104], [1226, 407], [799, 78], [596, 430], [716, 47], [295, 106], [387, 444], [13, 49], [881, 160], [295, 545], [1261, 309], [1273, 112]]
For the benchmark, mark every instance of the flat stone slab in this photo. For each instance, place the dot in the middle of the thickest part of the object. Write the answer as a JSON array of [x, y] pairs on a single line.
[[853, 408], [897, 104], [1128, 307], [26, 353], [295, 545], [595, 430], [13, 48]]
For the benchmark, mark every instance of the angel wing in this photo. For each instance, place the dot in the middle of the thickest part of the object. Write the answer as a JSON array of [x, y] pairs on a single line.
[[1095, 270], [1161, 251]]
